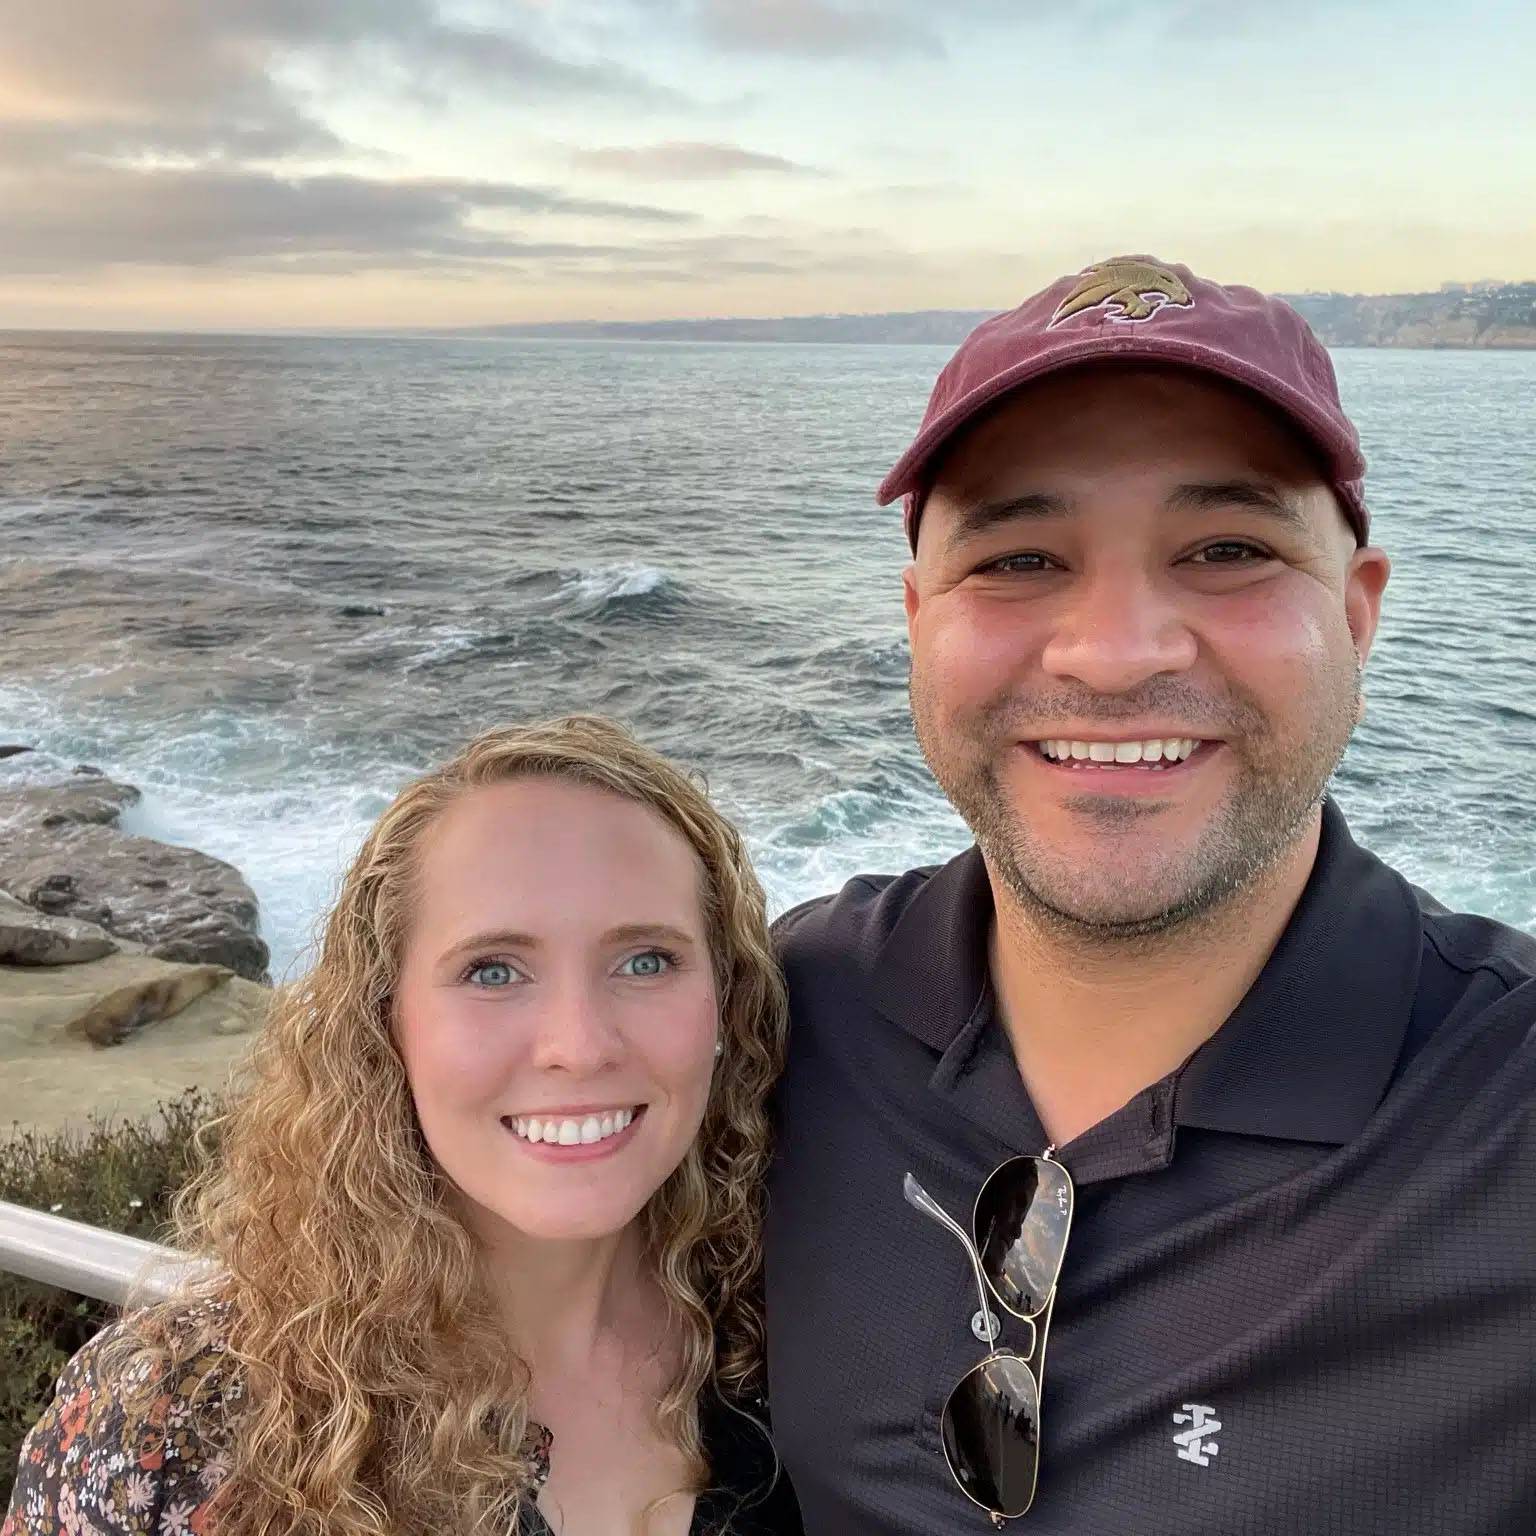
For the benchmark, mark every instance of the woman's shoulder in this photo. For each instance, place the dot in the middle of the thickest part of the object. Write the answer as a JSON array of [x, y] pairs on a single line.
[[119, 1452]]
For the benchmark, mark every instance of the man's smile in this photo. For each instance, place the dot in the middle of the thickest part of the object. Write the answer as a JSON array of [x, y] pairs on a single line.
[[1155, 752], [1155, 766]]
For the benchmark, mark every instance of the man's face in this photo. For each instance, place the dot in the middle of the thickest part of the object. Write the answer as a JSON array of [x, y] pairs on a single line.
[[1112, 565]]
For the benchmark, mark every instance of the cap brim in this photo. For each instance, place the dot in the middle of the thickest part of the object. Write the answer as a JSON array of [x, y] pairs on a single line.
[[1341, 451]]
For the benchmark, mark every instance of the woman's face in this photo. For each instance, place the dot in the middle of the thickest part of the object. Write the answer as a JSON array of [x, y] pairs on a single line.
[[556, 1008]]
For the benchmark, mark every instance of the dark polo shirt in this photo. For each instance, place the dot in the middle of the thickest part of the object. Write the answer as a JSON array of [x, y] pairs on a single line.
[[1300, 1290]]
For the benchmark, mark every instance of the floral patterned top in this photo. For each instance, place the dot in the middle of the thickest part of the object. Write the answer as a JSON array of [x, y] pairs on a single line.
[[90, 1467]]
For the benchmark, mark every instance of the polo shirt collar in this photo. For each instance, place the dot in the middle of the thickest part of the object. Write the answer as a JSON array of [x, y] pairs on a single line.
[[1308, 1053]]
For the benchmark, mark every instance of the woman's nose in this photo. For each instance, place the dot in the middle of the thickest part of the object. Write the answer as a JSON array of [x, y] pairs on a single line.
[[575, 1031]]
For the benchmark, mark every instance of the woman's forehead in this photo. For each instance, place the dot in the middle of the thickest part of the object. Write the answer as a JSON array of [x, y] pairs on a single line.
[[542, 845]]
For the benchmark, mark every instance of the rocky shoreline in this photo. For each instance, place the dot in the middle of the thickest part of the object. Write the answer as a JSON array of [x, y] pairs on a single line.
[[130, 969]]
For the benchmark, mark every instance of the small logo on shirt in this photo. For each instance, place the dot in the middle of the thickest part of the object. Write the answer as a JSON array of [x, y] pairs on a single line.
[[1195, 1443]]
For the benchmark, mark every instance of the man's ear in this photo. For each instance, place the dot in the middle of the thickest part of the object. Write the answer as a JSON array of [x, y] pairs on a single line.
[[910, 597], [1364, 583]]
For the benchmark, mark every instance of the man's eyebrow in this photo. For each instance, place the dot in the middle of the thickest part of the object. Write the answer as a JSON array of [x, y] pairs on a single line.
[[984, 516], [1248, 495]]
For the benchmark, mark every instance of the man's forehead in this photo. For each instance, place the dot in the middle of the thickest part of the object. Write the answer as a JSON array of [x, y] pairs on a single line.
[[1071, 432]]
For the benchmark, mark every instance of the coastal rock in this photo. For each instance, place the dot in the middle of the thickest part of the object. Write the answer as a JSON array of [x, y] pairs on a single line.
[[86, 798], [63, 853], [31, 937], [12, 749], [117, 1035]]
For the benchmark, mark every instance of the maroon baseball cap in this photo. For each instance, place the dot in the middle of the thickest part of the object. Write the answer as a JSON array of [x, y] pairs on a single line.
[[1139, 309]]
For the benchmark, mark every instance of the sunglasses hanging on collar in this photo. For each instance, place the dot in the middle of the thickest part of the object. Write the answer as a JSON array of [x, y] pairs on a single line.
[[991, 1420]]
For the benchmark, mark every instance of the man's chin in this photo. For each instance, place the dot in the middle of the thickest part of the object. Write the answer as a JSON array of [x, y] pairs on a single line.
[[1111, 914], [1118, 894]]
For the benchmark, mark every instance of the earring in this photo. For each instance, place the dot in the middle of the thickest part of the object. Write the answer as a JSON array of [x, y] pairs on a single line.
[[719, 1047]]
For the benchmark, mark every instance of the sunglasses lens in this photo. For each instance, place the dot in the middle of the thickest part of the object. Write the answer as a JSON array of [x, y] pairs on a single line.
[[1022, 1217], [991, 1430]]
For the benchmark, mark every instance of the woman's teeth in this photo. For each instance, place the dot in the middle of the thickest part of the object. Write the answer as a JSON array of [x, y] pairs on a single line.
[[572, 1133], [1173, 750]]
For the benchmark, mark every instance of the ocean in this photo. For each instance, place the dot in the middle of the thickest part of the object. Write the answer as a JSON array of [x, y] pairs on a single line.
[[269, 579]]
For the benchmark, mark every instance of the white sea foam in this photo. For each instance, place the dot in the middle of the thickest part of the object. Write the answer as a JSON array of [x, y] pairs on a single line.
[[603, 583], [847, 833], [437, 643]]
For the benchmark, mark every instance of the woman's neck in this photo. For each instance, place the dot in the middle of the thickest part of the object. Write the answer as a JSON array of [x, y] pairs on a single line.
[[567, 1302]]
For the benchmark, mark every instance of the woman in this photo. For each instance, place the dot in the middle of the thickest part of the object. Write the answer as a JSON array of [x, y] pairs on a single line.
[[486, 1220]]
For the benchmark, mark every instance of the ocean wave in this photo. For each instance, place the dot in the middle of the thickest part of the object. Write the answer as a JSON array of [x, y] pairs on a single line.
[[600, 586], [440, 643], [850, 832]]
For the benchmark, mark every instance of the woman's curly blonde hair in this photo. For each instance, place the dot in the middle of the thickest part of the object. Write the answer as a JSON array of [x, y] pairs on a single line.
[[374, 1389]]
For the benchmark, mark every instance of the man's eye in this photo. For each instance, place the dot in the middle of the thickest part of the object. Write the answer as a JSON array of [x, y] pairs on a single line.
[[1230, 552], [1017, 565], [650, 962], [490, 973]]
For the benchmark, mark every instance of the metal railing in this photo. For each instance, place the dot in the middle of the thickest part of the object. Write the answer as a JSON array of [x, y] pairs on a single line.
[[89, 1261]]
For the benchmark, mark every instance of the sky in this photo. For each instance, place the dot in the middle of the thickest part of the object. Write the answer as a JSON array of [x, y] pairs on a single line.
[[252, 164]]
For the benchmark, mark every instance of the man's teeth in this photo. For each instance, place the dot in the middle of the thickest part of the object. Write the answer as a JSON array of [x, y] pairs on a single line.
[[572, 1133], [1173, 750]]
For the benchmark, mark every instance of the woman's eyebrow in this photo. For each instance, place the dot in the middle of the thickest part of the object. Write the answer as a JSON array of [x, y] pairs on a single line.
[[490, 938], [630, 932], [625, 933]]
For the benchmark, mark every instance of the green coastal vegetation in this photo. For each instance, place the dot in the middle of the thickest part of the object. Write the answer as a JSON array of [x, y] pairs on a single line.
[[1476, 315], [122, 1175]]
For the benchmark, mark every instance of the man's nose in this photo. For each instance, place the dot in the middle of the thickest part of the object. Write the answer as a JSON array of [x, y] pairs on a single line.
[[1116, 630], [576, 1031]]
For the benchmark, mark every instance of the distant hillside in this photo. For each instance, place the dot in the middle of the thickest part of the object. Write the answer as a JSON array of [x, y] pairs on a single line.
[[1496, 315], [941, 326], [1490, 315]]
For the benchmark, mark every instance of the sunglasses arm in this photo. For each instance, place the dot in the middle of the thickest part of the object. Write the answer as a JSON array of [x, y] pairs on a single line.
[[919, 1199]]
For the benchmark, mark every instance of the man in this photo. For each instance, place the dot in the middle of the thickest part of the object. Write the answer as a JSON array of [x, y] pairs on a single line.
[[1291, 1094]]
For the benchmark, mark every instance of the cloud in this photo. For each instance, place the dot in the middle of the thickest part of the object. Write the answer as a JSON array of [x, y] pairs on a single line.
[[177, 133], [188, 75], [93, 216], [683, 161], [817, 28]]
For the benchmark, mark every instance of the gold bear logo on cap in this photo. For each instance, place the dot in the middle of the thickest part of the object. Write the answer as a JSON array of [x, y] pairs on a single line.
[[1128, 288]]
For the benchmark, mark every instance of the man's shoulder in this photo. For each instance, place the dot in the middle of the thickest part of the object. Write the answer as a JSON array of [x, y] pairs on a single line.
[[1474, 945], [1476, 993], [847, 926]]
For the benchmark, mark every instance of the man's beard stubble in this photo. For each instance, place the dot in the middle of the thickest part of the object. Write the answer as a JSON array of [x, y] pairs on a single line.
[[1269, 807]]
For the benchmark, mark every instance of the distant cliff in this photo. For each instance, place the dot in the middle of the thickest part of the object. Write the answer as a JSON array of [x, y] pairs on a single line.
[[943, 327], [1489, 315], [1501, 315]]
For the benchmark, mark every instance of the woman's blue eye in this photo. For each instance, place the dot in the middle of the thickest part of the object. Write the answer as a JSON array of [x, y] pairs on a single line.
[[652, 963], [491, 973]]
